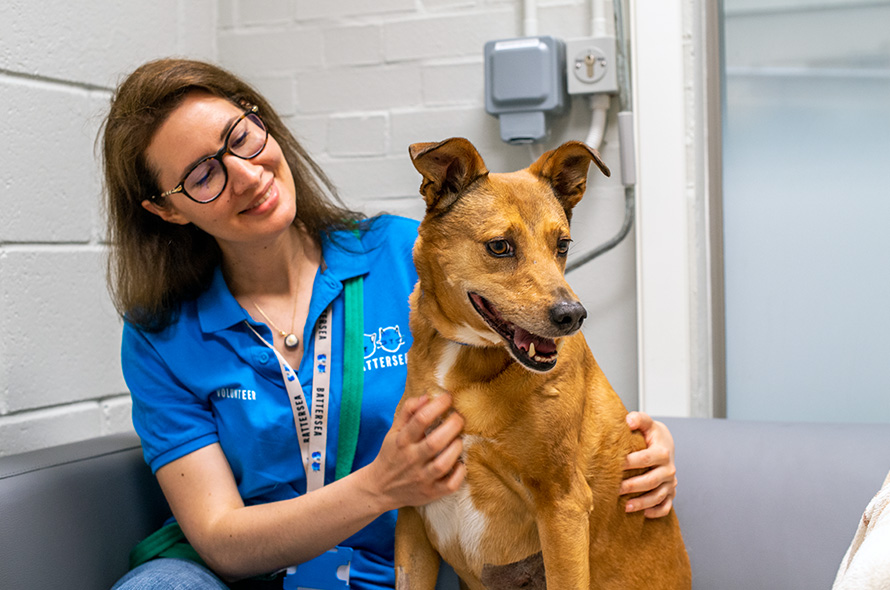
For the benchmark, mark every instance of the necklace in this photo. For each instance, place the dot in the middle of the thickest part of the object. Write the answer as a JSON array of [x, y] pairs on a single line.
[[290, 339]]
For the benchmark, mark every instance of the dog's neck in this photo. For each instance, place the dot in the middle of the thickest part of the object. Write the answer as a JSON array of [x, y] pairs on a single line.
[[456, 361]]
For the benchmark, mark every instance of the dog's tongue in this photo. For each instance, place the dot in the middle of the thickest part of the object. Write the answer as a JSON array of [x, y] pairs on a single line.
[[523, 339]]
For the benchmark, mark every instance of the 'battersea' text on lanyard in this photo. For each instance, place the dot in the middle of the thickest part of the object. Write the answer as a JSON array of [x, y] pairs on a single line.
[[312, 435]]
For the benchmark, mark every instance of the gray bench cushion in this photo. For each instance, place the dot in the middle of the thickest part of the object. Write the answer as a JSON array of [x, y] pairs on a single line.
[[771, 505], [70, 514]]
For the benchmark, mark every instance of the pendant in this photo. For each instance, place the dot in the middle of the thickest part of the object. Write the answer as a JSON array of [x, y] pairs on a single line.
[[291, 341]]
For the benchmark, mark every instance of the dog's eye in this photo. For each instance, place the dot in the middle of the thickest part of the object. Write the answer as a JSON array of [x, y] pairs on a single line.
[[499, 248], [562, 247]]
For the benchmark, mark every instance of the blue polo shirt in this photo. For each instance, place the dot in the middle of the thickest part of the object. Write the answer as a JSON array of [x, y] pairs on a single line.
[[207, 378]]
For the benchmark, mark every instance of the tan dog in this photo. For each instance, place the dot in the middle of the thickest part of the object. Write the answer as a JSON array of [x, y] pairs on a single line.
[[495, 323]]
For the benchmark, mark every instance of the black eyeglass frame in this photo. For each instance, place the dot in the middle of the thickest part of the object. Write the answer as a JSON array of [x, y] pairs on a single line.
[[218, 156]]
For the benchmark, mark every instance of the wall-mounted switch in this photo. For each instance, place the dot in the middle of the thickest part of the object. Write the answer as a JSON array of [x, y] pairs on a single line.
[[592, 65]]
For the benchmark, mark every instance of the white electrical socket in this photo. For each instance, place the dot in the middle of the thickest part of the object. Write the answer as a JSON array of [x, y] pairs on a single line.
[[591, 65]]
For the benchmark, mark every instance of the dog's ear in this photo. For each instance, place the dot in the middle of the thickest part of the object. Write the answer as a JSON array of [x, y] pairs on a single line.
[[565, 168], [448, 167]]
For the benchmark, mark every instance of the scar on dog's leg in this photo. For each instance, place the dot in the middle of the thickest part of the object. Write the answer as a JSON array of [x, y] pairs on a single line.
[[527, 574], [402, 579]]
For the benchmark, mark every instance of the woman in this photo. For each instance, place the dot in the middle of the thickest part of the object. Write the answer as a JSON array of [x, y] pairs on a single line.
[[230, 259]]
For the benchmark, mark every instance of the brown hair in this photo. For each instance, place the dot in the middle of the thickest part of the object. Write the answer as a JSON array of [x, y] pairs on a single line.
[[154, 265]]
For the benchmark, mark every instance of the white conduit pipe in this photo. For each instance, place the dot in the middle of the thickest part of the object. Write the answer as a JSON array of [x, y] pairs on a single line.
[[599, 108], [599, 103], [598, 25], [530, 18], [530, 29]]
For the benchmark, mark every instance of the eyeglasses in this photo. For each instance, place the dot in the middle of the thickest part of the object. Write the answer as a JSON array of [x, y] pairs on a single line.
[[207, 179]]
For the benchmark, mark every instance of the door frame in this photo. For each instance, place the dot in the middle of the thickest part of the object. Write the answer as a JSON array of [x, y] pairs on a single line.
[[677, 100]]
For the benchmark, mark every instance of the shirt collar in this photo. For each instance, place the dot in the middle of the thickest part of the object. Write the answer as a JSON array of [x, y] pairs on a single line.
[[344, 256]]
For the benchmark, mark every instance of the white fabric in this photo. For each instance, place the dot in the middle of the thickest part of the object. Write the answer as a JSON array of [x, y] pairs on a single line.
[[866, 566]]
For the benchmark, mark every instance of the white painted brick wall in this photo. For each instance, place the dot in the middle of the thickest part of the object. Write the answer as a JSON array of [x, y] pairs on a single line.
[[308, 10], [270, 50], [353, 45], [359, 89], [60, 377], [62, 341], [452, 84], [93, 42], [50, 196], [265, 12], [51, 426], [447, 36], [357, 135]]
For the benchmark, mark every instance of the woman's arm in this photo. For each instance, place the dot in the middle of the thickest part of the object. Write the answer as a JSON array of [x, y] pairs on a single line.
[[237, 541], [661, 480]]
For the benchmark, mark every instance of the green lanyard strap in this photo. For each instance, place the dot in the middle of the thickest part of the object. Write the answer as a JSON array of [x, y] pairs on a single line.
[[353, 376]]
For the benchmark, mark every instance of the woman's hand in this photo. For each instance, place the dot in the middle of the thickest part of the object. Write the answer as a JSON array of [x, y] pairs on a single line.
[[660, 482], [419, 460]]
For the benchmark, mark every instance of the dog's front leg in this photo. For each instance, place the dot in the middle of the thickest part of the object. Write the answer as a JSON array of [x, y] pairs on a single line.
[[417, 562], [564, 529]]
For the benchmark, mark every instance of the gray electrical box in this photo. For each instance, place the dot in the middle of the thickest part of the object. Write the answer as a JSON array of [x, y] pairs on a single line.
[[524, 84]]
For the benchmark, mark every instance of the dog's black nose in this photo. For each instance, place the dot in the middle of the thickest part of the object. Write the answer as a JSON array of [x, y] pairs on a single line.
[[568, 316]]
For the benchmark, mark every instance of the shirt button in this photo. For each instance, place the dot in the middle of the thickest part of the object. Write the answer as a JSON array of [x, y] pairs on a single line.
[[264, 357]]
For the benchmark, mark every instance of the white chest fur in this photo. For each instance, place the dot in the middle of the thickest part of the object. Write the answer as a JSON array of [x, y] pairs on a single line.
[[455, 522]]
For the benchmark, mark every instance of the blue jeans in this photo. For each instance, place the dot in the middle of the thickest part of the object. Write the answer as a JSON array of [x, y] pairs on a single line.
[[182, 574], [170, 574]]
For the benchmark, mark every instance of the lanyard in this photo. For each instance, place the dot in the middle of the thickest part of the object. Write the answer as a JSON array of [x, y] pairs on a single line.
[[312, 434]]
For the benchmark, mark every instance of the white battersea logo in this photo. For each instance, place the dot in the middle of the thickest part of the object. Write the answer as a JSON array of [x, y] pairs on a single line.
[[242, 394], [382, 348]]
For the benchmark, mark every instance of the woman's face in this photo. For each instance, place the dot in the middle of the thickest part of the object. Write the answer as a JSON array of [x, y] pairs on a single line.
[[259, 199]]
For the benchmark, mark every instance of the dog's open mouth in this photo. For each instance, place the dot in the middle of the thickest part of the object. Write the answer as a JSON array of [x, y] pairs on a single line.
[[535, 352]]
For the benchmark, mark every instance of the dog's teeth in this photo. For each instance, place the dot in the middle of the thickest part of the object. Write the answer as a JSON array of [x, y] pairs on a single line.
[[531, 350], [560, 344]]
